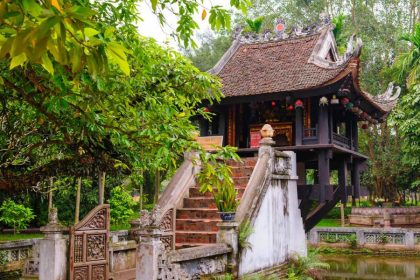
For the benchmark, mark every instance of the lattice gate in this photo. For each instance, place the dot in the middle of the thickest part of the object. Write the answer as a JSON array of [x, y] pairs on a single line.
[[89, 256]]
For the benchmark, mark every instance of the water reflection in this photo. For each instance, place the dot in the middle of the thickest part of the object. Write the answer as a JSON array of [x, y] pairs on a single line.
[[345, 267]]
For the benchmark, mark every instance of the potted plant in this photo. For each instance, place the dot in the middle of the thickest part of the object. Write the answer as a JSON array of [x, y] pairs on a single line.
[[226, 202]]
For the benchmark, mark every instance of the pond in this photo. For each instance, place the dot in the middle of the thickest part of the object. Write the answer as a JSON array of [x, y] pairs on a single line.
[[344, 267]]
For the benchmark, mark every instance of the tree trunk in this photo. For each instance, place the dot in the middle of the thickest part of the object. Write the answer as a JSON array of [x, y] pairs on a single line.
[[157, 187], [101, 186], [50, 194], [77, 208]]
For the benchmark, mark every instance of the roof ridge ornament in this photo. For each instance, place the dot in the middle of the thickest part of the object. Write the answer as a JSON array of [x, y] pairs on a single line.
[[389, 95], [353, 50]]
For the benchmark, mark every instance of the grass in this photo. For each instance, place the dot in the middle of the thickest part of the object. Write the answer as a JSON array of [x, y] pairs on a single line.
[[4, 237], [329, 223], [120, 227]]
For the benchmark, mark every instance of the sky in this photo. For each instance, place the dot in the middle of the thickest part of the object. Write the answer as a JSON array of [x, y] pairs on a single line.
[[151, 27]]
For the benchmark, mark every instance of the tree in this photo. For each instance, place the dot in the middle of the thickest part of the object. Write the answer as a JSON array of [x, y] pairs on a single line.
[[406, 70], [82, 92], [16, 215], [121, 205]]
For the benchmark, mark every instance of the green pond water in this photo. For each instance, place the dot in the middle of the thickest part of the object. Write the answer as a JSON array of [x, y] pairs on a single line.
[[343, 267]]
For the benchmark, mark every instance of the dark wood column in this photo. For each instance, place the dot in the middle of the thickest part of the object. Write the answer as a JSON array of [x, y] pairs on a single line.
[[342, 179], [222, 124], [323, 173], [323, 127], [354, 133], [355, 179], [298, 126]]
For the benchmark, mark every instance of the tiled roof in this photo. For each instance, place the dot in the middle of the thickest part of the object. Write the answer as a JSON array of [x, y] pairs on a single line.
[[270, 67]]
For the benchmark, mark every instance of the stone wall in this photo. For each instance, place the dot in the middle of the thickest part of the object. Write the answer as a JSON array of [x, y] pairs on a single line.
[[21, 256], [385, 217], [372, 238]]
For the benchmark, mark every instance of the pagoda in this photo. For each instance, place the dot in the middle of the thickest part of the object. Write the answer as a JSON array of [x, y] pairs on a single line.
[[311, 96]]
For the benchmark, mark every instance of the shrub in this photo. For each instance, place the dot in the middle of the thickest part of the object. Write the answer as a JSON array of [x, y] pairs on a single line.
[[352, 240], [307, 267], [15, 215], [121, 204], [245, 229]]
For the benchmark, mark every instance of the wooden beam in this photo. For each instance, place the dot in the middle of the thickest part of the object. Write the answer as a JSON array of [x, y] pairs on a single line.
[[323, 125], [298, 126]]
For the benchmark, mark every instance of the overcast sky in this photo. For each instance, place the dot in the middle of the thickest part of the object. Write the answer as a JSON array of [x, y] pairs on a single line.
[[150, 26]]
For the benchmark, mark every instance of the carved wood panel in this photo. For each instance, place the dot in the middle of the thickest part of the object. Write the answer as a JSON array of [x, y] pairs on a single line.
[[89, 257]]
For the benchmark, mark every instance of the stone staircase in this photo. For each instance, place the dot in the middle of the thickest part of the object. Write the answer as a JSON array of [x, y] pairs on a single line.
[[196, 222]]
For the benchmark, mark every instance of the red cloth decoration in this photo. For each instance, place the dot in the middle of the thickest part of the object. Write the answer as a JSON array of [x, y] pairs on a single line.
[[345, 101]]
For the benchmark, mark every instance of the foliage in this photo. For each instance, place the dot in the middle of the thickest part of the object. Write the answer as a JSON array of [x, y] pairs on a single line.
[[352, 240], [383, 239], [121, 205], [226, 276], [4, 257], [329, 223], [15, 215], [245, 230], [83, 93], [406, 68], [307, 267], [254, 25], [215, 172], [225, 198], [335, 213], [212, 48]]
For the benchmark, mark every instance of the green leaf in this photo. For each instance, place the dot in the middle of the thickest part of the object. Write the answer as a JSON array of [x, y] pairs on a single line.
[[47, 64], [90, 32], [154, 4], [32, 7], [18, 60], [115, 53]]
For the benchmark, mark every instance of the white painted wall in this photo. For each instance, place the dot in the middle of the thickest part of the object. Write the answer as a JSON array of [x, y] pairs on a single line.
[[278, 229]]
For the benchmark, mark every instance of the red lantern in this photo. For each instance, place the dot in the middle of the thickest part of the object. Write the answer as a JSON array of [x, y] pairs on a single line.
[[345, 101], [290, 107], [206, 110], [298, 103], [273, 103]]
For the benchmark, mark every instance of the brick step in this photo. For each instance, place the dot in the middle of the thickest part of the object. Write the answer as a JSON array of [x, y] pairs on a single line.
[[195, 236], [195, 193], [197, 224], [242, 171], [245, 162], [188, 245], [197, 213], [199, 202], [241, 182]]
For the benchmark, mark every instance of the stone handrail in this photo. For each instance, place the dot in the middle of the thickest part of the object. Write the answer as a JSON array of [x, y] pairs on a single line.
[[163, 214], [183, 179], [254, 188], [409, 238]]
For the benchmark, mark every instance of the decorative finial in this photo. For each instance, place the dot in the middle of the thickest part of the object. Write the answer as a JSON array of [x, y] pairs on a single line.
[[52, 216], [280, 27], [267, 131]]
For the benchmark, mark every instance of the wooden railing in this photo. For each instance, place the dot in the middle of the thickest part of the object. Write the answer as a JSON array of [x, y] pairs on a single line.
[[340, 140], [310, 132]]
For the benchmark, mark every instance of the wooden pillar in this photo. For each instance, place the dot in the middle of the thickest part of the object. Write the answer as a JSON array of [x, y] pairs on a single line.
[[342, 175], [323, 173], [354, 134], [323, 126], [355, 179], [101, 187], [298, 126], [232, 125], [77, 208]]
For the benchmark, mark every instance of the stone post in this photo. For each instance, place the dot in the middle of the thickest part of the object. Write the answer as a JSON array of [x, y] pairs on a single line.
[[410, 241], [266, 142], [387, 219], [360, 237], [147, 233], [148, 253], [53, 250], [228, 234]]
